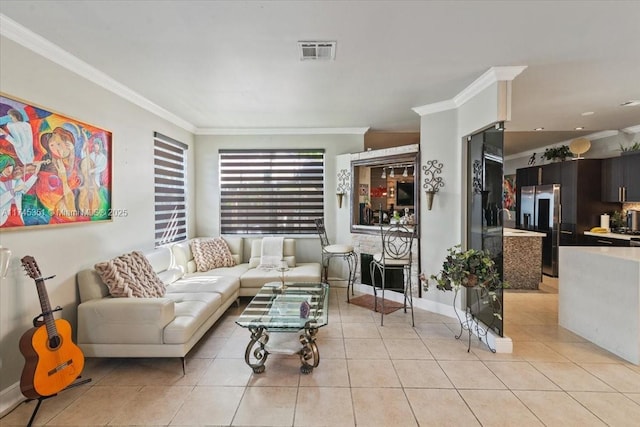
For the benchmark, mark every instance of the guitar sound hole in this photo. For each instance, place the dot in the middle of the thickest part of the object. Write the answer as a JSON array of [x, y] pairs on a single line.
[[54, 342]]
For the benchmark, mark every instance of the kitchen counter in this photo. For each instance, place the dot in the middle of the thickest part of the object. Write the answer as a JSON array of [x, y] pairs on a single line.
[[599, 297], [611, 235], [514, 232], [522, 258]]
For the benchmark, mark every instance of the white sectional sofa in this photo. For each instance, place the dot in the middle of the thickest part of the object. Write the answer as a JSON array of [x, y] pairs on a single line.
[[171, 325]]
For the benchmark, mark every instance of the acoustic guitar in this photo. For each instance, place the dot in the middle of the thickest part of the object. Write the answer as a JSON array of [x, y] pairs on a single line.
[[52, 360]]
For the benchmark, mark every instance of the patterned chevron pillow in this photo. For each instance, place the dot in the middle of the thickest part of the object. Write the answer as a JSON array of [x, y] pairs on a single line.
[[130, 275], [211, 253]]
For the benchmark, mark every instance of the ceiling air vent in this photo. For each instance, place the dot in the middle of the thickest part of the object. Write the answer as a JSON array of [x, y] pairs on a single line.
[[324, 51]]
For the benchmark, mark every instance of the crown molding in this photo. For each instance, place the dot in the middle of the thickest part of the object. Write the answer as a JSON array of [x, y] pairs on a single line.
[[436, 107], [43, 47], [281, 131], [631, 129], [491, 76]]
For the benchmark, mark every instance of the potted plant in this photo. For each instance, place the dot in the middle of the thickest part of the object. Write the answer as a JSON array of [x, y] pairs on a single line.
[[630, 149], [468, 268], [557, 153]]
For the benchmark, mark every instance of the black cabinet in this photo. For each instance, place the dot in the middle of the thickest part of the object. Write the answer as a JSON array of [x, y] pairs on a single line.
[[605, 241], [631, 167], [552, 173], [527, 176], [580, 193], [621, 179]]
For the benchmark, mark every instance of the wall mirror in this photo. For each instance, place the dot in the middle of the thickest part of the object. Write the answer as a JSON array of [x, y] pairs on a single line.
[[385, 188]]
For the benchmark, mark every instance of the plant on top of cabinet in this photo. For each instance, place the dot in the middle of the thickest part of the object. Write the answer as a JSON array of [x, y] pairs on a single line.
[[633, 147], [557, 153]]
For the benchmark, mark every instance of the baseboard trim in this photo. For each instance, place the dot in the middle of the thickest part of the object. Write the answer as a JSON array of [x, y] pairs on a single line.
[[10, 397], [500, 344]]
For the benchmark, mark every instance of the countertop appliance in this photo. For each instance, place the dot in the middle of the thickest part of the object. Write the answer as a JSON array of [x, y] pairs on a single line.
[[541, 211], [625, 230]]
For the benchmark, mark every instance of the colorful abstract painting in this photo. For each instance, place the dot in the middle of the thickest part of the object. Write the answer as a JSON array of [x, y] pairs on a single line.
[[509, 192], [53, 169]]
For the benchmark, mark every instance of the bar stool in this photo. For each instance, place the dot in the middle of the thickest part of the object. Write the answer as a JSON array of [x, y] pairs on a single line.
[[329, 251], [397, 245]]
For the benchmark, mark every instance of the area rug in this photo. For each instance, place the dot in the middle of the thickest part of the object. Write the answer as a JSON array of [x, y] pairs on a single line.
[[367, 301]]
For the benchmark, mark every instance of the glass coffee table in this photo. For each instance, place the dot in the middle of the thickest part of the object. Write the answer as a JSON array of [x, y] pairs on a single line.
[[285, 320]]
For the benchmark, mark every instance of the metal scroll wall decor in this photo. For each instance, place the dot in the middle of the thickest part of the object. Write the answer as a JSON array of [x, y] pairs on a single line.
[[432, 182], [477, 176], [344, 182]]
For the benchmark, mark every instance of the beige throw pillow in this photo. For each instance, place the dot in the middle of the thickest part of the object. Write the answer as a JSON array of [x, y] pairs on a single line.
[[131, 275], [211, 253]]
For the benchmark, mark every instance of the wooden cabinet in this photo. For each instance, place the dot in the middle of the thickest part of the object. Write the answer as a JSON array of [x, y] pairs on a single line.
[[621, 179], [580, 193], [612, 180], [552, 173], [527, 176], [605, 241], [541, 175], [631, 167]]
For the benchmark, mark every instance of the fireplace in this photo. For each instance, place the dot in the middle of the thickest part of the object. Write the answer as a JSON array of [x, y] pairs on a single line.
[[394, 279]]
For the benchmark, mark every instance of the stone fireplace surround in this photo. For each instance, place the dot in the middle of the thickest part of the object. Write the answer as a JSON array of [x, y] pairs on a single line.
[[372, 244]]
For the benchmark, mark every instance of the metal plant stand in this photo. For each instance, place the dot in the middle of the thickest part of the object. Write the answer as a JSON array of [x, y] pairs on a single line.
[[469, 322]]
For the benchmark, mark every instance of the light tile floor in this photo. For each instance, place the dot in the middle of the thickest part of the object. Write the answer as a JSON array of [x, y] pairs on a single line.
[[368, 376]]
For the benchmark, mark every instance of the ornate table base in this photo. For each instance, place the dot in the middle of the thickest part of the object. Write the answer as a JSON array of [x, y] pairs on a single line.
[[259, 347]]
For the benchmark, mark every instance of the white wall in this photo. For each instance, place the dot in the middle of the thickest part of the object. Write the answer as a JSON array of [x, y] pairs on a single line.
[[207, 178], [64, 250], [442, 138], [440, 227]]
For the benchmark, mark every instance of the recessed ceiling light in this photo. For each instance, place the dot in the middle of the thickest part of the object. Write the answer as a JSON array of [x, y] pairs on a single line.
[[587, 113], [631, 103], [539, 129], [580, 128]]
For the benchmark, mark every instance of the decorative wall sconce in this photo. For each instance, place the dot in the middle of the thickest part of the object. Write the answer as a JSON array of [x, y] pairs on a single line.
[[477, 176], [432, 182], [344, 182]]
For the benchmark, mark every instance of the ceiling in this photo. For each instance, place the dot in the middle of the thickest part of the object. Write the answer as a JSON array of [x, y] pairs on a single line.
[[235, 64]]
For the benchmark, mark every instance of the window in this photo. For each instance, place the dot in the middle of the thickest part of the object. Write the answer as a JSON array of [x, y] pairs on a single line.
[[169, 159], [271, 191]]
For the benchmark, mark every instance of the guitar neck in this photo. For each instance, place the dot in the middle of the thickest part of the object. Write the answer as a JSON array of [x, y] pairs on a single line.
[[47, 315], [31, 267]]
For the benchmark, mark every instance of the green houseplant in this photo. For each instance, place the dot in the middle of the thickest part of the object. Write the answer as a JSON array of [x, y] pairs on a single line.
[[468, 268], [557, 153], [635, 146]]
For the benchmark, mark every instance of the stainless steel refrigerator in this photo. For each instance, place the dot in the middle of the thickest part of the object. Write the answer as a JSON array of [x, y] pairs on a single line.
[[541, 211]]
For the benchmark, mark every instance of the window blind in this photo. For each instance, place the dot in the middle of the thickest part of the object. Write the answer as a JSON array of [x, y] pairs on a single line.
[[169, 158], [271, 191]]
